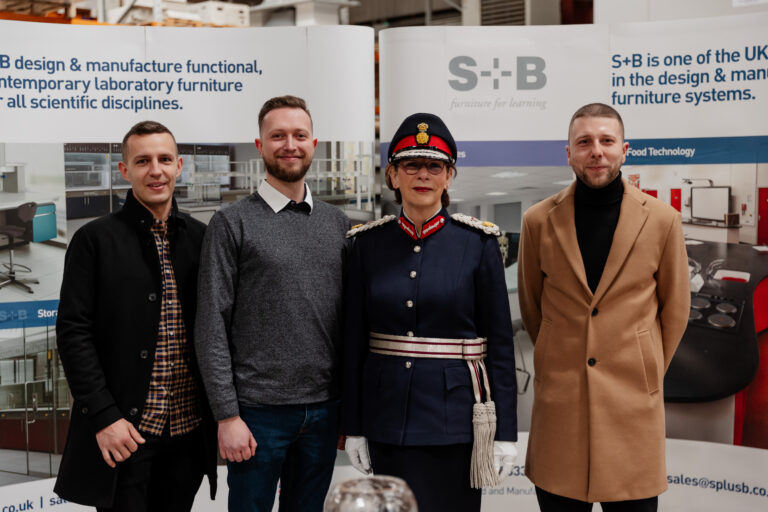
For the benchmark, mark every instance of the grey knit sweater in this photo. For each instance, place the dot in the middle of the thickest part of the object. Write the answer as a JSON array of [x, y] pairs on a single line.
[[268, 322]]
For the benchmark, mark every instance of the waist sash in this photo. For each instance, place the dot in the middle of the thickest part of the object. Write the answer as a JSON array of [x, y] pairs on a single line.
[[473, 351]]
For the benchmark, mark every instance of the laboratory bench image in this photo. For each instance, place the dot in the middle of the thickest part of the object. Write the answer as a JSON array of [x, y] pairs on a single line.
[[214, 176], [32, 240]]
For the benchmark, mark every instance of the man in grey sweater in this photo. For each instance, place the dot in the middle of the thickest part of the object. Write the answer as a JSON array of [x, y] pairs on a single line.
[[268, 324]]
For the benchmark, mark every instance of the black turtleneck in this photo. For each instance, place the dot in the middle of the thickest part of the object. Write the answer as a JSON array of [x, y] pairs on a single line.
[[597, 214]]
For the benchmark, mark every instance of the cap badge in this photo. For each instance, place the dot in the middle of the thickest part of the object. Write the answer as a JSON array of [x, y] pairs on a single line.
[[422, 137]]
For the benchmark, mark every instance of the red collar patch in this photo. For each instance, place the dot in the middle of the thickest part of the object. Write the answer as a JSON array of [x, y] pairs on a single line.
[[430, 227], [407, 226]]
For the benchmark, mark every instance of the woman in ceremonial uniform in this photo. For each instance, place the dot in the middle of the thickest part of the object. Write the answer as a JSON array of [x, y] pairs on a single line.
[[429, 388]]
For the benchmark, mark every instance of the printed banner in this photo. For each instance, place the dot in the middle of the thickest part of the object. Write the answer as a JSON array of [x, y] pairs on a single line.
[[670, 80], [14, 315], [88, 83]]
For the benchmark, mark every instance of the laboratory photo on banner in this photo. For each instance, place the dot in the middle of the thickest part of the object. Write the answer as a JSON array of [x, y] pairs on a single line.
[[723, 210], [34, 237], [212, 177], [34, 227]]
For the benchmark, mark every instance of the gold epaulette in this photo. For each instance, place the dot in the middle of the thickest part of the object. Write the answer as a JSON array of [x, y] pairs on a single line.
[[359, 228], [489, 228]]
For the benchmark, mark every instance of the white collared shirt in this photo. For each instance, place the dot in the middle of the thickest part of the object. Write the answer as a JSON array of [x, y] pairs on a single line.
[[277, 201]]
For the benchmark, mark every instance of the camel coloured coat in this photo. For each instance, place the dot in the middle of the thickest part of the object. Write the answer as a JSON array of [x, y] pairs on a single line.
[[597, 429]]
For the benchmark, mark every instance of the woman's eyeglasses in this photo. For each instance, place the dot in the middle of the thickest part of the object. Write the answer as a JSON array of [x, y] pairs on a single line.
[[414, 166]]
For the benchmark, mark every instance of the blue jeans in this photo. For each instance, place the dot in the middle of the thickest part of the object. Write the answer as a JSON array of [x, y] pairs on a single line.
[[297, 445]]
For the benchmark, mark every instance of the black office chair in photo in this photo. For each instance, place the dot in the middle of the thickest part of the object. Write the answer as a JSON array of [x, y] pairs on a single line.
[[24, 215]]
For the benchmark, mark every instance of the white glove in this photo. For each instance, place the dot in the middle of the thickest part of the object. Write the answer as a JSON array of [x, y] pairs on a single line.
[[357, 451], [504, 455]]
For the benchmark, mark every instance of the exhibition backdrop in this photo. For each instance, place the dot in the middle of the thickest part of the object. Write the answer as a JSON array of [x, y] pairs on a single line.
[[690, 92]]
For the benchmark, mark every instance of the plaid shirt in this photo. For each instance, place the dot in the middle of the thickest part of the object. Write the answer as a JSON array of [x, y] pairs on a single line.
[[172, 390]]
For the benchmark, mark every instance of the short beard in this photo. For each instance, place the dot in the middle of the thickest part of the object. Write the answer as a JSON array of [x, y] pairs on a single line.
[[286, 176]]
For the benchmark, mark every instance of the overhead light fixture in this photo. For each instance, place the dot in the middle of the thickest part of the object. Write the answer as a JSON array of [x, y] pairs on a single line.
[[563, 182], [496, 193], [509, 174]]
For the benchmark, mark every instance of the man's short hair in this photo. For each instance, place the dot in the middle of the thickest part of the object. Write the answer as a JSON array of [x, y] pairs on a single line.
[[596, 110], [286, 101], [145, 128]]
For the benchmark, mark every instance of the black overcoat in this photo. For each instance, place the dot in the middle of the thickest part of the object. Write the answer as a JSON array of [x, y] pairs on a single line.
[[106, 332]]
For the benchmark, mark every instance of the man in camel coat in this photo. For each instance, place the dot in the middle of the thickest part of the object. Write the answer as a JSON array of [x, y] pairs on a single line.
[[603, 288]]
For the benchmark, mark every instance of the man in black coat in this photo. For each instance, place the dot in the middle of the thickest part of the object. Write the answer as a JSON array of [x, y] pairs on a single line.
[[141, 433]]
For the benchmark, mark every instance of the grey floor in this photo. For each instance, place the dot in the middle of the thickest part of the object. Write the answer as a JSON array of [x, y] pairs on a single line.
[[47, 264], [13, 466]]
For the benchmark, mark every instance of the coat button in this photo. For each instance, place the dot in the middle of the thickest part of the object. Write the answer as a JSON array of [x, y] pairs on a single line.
[[409, 303], [417, 248], [591, 361], [408, 364], [152, 297], [144, 354], [133, 412], [409, 333], [84, 410], [594, 312], [412, 274]]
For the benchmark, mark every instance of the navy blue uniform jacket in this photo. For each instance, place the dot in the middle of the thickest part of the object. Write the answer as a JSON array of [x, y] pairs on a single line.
[[454, 279]]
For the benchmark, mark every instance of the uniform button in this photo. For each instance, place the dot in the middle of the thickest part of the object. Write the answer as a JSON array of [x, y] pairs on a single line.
[[591, 361], [417, 248], [594, 312], [144, 354], [409, 333], [412, 274], [170, 333], [152, 297], [84, 410], [409, 303], [133, 412], [408, 364]]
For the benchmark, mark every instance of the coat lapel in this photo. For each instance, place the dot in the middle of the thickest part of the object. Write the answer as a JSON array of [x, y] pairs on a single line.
[[562, 219], [631, 220]]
